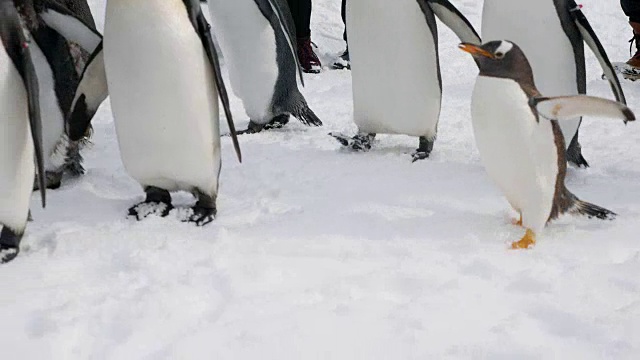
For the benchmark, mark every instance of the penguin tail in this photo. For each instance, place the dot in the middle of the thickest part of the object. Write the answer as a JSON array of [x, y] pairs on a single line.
[[591, 210], [306, 116]]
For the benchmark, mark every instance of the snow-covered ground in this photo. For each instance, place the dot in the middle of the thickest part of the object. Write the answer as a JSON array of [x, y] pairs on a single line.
[[318, 253]]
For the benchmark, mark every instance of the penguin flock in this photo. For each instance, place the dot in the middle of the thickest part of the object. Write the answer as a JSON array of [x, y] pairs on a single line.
[[164, 80]]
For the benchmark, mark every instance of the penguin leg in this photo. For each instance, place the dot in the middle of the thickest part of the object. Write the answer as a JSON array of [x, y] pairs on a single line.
[[527, 241], [517, 222], [204, 211], [9, 245], [424, 149], [158, 202], [277, 122], [253, 128], [574, 153], [53, 180]]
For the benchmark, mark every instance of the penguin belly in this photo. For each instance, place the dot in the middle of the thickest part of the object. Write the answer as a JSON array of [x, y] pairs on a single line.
[[163, 96], [396, 89], [248, 44], [17, 167], [52, 116], [518, 153], [537, 29]]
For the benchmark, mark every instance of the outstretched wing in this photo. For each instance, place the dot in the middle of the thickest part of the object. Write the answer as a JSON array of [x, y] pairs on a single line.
[[450, 16], [570, 107], [203, 29], [17, 45], [594, 44]]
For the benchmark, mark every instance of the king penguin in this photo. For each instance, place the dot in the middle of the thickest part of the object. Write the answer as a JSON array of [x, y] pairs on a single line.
[[257, 39], [552, 34], [20, 129], [164, 79], [59, 63], [395, 65], [518, 136]]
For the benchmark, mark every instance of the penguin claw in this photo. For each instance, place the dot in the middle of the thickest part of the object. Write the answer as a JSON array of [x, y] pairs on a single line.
[[357, 143], [8, 253], [144, 209], [419, 155], [201, 216], [277, 122], [344, 140]]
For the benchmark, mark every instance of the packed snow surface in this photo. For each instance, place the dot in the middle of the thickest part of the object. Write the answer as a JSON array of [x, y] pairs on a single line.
[[320, 253]]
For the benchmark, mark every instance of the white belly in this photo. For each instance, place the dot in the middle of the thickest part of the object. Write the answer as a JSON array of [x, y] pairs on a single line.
[[536, 28], [163, 95], [52, 117], [394, 68], [518, 153], [16, 148], [248, 45]]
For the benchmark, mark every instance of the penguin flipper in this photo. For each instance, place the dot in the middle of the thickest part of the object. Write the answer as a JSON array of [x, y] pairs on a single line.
[[569, 107], [589, 36], [281, 8], [33, 99], [203, 29], [92, 90], [453, 18], [17, 46], [69, 26]]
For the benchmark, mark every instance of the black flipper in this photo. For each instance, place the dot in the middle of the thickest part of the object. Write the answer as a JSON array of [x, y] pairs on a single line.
[[31, 83], [68, 25], [203, 29], [453, 18], [92, 90], [593, 42], [281, 8], [17, 46]]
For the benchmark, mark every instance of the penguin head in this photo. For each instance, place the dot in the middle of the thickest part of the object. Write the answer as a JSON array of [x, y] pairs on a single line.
[[500, 58]]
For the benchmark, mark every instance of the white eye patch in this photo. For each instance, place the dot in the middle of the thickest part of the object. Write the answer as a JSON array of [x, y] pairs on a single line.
[[504, 47]]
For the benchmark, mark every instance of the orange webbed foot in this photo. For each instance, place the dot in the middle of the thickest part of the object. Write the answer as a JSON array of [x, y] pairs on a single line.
[[527, 241]]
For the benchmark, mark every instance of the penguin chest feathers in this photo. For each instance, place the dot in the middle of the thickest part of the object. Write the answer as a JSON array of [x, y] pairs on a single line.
[[163, 95], [518, 152], [16, 147]]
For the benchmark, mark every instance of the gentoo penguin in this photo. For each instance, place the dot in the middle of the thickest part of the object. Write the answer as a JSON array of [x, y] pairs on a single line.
[[20, 129], [164, 79], [552, 34], [257, 39], [58, 63], [519, 139], [397, 87]]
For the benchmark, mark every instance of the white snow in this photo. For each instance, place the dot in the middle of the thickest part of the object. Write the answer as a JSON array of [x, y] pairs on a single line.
[[319, 253]]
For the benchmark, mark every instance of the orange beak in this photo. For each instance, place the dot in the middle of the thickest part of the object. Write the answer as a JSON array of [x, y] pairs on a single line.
[[475, 50]]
